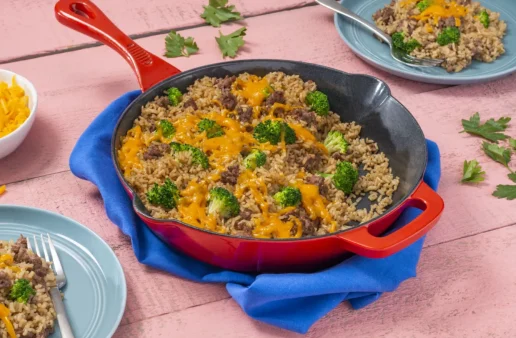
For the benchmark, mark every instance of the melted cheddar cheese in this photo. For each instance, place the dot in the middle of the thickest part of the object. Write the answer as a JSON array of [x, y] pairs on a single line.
[[192, 206], [442, 9], [307, 136], [4, 316], [2, 189], [128, 153], [7, 261], [315, 204], [254, 89]]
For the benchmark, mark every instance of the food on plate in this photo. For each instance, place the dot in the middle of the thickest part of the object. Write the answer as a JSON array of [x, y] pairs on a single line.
[[14, 107], [26, 309], [456, 31], [254, 156], [3, 189]]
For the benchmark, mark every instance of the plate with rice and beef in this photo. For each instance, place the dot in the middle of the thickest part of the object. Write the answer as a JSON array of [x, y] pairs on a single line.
[[94, 295], [474, 38]]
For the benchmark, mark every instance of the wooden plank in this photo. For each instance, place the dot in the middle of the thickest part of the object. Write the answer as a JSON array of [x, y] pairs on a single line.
[[37, 31], [150, 292], [463, 289], [74, 87]]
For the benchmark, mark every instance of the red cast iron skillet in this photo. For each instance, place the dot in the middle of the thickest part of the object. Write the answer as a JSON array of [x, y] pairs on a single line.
[[359, 98]]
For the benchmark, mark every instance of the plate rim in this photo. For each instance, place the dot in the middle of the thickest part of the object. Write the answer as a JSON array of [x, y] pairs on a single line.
[[119, 265], [406, 74]]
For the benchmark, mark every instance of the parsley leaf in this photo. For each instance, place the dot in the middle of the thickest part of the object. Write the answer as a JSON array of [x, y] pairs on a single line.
[[217, 12], [512, 143], [505, 191], [229, 44], [499, 154], [472, 172], [512, 177], [176, 45], [489, 130]]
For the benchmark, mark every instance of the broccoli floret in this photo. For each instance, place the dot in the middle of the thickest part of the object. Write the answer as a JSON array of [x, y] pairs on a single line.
[[167, 129], [198, 156], [273, 132], [175, 147], [345, 177], [289, 135], [335, 142], [424, 4], [318, 102], [484, 18], [448, 35], [255, 159], [21, 291], [166, 195], [288, 197], [223, 203], [268, 131], [398, 40], [174, 95], [211, 128]]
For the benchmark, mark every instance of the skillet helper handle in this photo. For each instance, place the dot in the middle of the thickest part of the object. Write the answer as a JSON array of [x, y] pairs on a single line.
[[85, 17], [360, 241]]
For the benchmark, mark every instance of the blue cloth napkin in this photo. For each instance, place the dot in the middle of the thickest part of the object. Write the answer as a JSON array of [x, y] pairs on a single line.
[[293, 301]]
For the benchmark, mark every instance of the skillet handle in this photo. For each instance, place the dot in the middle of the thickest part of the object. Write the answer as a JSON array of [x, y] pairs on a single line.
[[85, 17], [360, 241]]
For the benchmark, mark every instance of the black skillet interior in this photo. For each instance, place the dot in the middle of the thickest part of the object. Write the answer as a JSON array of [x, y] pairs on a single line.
[[360, 98]]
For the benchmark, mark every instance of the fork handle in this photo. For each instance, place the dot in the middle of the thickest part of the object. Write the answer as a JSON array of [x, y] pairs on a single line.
[[336, 7], [62, 317]]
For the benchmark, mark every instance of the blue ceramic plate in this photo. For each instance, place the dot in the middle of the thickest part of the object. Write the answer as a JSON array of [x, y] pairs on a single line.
[[377, 54], [95, 294]]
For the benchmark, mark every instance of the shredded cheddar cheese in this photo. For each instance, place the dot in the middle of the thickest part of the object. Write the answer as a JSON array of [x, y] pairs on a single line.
[[14, 107], [4, 316]]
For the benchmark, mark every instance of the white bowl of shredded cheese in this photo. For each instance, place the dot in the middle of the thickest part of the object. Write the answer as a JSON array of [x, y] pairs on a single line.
[[18, 102]]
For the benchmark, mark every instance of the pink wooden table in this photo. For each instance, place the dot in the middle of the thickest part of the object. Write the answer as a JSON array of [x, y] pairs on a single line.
[[466, 282]]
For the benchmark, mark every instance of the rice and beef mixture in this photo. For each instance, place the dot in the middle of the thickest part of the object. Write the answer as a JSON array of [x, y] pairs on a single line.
[[26, 309], [254, 156], [456, 31]]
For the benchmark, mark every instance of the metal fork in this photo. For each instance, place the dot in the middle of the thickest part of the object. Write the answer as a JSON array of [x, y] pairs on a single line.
[[55, 294], [396, 53]]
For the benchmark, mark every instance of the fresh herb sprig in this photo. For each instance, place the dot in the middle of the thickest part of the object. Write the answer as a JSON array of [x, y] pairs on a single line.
[[231, 43], [218, 12], [490, 130], [176, 45], [472, 172]]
